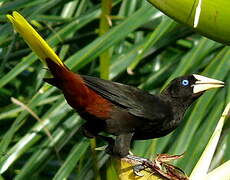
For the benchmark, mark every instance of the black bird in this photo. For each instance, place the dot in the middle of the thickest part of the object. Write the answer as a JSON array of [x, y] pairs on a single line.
[[125, 111]]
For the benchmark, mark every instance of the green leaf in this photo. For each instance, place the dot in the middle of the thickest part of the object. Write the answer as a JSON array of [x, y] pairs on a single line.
[[201, 168]]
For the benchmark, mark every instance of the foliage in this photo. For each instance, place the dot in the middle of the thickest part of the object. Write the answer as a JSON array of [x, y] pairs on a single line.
[[145, 49], [208, 18]]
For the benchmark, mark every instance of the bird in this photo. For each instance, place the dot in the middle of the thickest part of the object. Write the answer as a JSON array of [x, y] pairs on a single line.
[[124, 111]]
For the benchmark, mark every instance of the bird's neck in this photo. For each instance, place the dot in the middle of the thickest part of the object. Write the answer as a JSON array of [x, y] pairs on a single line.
[[177, 103], [178, 106]]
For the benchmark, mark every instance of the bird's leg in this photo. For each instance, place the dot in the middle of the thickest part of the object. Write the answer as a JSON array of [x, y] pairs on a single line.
[[122, 144], [118, 147]]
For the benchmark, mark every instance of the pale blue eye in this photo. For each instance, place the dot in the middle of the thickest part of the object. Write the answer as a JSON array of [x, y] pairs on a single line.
[[185, 82]]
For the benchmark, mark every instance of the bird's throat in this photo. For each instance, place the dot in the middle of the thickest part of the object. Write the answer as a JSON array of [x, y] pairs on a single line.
[[179, 107]]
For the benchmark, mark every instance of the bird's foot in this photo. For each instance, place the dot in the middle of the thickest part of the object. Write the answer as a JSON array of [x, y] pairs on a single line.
[[137, 169], [159, 165]]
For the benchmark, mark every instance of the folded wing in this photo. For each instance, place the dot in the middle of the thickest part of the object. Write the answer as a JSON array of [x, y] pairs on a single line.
[[138, 102]]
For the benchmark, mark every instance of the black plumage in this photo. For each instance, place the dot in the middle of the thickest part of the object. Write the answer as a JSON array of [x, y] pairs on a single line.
[[127, 112]]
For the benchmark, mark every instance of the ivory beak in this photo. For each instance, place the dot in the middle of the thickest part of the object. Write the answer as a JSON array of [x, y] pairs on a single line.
[[203, 83]]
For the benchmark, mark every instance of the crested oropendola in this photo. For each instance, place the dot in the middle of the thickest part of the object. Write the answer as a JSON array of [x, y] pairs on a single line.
[[121, 110]]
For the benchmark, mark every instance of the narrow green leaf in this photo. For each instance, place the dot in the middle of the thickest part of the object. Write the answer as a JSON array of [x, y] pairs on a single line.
[[47, 148], [76, 153], [162, 29], [53, 40], [201, 168], [105, 23]]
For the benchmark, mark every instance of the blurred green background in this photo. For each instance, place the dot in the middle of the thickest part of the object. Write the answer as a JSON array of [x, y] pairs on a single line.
[[126, 41]]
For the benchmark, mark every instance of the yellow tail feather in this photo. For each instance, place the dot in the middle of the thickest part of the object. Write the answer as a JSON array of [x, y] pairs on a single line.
[[33, 39]]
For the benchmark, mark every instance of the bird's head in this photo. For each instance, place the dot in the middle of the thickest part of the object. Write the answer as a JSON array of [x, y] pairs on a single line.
[[190, 87]]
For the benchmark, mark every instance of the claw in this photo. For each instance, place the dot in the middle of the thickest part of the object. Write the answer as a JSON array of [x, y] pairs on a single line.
[[137, 168]]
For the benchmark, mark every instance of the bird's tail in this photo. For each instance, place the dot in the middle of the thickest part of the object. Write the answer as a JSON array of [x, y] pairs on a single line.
[[37, 44]]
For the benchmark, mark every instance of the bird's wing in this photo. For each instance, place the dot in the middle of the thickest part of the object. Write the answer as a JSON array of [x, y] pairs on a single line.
[[136, 101]]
